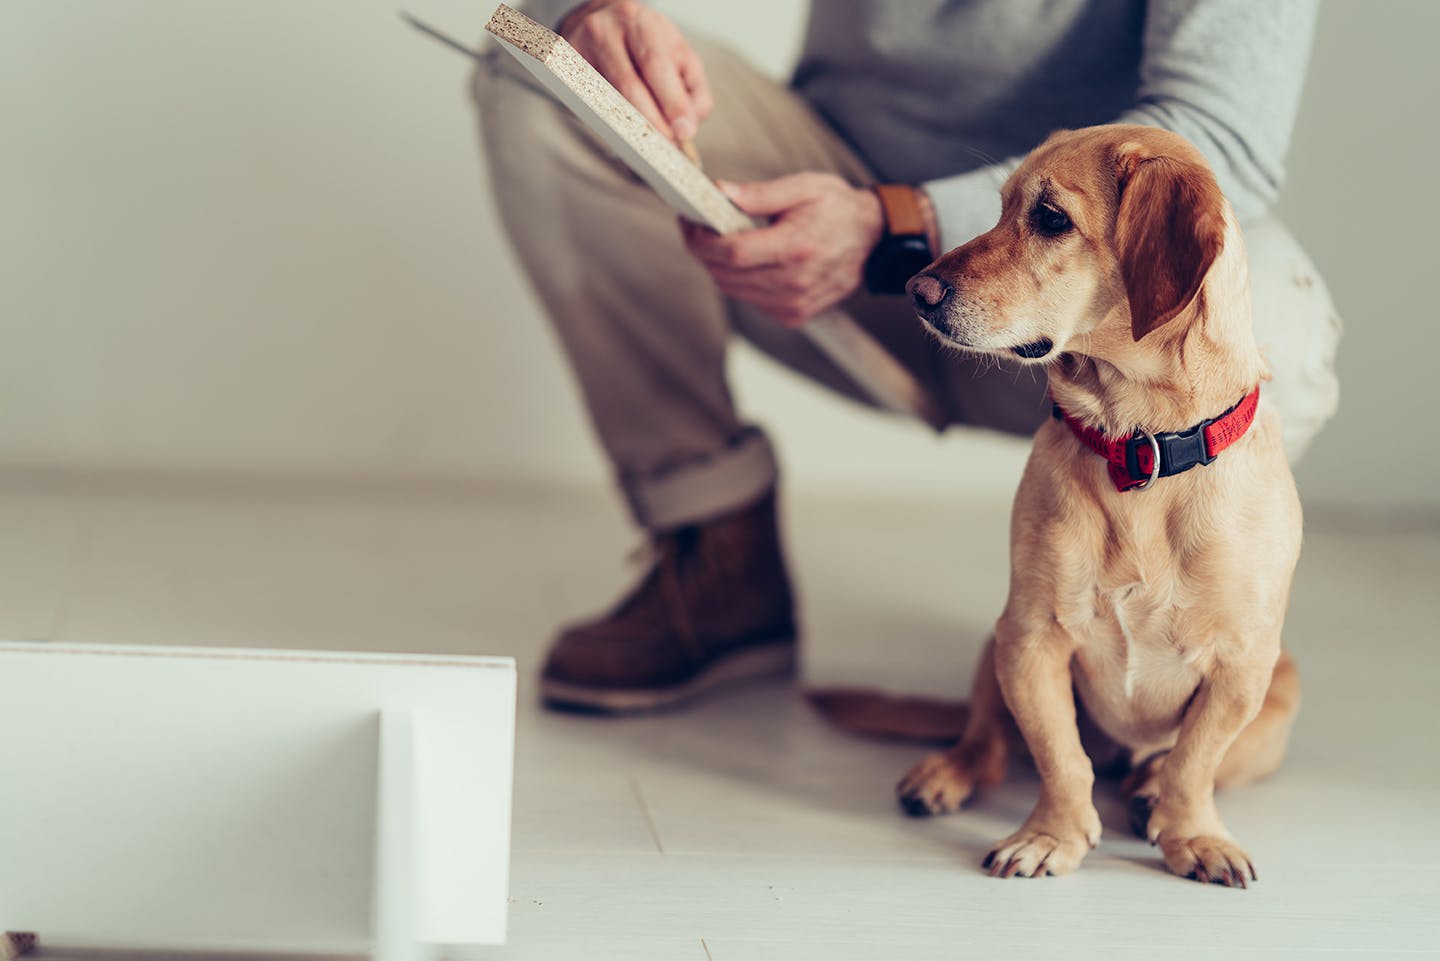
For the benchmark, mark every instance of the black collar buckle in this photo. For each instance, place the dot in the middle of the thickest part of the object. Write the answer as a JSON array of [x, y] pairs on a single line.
[[1175, 452], [1185, 449]]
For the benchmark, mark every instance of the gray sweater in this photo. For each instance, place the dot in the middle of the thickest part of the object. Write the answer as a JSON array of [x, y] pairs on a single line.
[[952, 93]]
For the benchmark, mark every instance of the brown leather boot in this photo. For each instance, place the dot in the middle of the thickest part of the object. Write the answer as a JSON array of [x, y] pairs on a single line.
[[714, 608]]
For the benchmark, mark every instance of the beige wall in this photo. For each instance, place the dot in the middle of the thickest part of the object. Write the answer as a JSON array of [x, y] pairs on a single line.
[[255, 237], [1362, 171]]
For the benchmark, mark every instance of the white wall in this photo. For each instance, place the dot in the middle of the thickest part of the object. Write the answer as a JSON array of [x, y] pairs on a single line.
[[255, 237]]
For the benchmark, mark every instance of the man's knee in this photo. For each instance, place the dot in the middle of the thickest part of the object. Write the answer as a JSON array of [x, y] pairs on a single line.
[[524, 130], [1298, 327]]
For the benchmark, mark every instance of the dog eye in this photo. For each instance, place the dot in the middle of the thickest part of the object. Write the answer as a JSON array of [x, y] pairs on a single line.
[[1050, 221]]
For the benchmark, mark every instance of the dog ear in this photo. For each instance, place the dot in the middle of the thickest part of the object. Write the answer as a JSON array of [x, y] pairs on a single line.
[[1169, 230]]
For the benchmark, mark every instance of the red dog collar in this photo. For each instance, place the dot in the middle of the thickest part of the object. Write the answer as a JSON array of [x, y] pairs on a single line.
[[1135, 462]]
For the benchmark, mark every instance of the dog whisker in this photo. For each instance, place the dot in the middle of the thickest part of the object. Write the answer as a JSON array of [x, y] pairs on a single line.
[[980, 154]]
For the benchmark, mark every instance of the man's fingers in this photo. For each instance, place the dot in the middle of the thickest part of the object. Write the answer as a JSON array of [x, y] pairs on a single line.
[[750, 293], [692, 74], [765, 197], [612, 58], [789, 310], [640, 53], [657, 65], [781, 280], [761, 247]]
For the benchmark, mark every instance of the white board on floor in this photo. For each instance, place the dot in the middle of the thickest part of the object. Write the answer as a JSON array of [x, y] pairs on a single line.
[[254, 801]]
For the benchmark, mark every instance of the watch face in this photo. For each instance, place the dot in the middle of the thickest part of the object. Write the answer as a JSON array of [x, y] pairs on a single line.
[[912, 255], [895, 261]]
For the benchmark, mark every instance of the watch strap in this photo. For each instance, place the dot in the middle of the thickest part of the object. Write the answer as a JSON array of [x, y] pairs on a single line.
[[906, 246], [904, 215]]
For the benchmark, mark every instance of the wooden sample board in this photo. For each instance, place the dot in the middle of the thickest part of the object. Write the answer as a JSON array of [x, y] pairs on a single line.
[[580, 87], [256, 802]]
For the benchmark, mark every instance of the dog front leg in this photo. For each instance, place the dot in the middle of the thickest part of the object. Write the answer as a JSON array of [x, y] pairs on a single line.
[[1185, 823], [1034, 672]]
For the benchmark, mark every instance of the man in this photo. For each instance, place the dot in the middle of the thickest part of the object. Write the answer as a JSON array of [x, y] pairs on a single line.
[[935, 99]]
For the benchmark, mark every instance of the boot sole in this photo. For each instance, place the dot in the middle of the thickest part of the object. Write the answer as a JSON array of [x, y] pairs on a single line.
[[759, 661]]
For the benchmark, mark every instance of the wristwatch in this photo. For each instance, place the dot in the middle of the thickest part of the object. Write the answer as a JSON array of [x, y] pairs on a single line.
[[905, 248]]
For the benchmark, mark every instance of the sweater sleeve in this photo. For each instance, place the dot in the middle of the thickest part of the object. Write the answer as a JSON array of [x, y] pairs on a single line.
[[1225, 74]]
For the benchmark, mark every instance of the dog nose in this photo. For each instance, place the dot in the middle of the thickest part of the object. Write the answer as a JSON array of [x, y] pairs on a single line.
[[928, 292]]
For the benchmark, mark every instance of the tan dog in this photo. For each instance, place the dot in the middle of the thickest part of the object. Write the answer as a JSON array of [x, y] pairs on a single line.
[[1157, 612]]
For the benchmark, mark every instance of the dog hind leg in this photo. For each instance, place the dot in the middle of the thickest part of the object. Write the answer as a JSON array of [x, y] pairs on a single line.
[[946, 780]]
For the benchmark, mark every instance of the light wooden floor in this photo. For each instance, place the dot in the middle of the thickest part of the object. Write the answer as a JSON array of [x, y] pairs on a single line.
[[744, 830]]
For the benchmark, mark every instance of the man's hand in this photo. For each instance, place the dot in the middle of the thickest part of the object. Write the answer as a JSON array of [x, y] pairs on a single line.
[[809, 258], [645, 57]]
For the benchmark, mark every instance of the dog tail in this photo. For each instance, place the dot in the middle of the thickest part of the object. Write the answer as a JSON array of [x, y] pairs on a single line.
[[876, 714]]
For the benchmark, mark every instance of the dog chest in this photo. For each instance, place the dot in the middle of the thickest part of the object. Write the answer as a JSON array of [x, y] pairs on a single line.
[[1133, 668]]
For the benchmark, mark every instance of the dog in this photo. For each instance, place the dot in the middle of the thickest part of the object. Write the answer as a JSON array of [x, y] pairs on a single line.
[[1156, 528]]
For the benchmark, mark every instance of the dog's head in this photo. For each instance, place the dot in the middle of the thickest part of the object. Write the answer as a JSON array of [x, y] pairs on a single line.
[[1106, 234]]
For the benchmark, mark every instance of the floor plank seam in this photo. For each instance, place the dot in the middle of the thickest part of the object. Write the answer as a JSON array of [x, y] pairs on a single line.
[[645, 813]]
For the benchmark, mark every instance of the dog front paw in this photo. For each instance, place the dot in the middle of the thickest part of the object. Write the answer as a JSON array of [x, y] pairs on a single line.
[[1046, 844], [1196, 845], [1034, 854], [1208, 859]]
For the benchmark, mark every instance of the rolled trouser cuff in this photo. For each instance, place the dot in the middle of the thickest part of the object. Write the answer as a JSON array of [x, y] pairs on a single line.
[[705, 487]]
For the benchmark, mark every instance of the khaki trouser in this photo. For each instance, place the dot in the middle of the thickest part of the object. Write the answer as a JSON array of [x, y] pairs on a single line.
[[646, 330]]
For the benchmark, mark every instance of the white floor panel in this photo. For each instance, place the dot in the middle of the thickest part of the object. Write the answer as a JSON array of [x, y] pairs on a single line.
[[1112, 904], [745, 829]]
